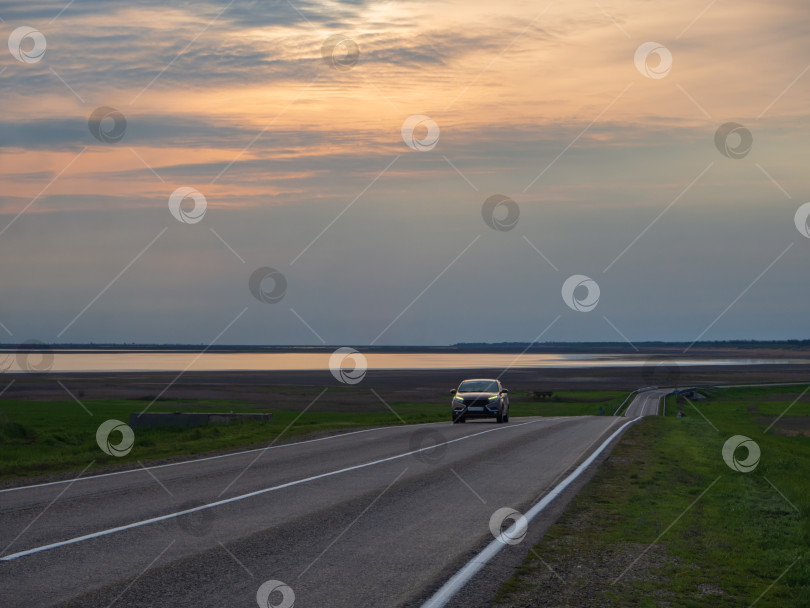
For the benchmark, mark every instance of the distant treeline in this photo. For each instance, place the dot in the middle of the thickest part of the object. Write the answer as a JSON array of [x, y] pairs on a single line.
[[471, 347], [590, 347]]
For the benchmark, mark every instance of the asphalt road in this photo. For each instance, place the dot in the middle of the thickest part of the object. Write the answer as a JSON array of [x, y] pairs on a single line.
[[371, 518], [647, 403]]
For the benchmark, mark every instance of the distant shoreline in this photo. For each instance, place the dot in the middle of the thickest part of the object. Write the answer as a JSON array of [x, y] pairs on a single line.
[[731, 348], [220, 384]]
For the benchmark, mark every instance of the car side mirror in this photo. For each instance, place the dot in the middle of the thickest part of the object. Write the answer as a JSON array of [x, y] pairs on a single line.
[[506, 390], [453, 391]]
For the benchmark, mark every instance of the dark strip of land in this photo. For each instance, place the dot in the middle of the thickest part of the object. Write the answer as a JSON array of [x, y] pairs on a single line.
[[411, 385]]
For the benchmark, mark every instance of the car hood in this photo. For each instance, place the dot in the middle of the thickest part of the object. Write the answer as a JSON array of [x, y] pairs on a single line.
[[476, 395]]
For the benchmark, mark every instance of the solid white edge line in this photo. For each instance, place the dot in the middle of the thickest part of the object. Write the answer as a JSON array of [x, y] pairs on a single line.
[[175, 464], [463, 576], [646, 402], [225, 501]]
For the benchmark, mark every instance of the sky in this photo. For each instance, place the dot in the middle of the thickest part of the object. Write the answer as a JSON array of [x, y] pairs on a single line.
[[404, 172]]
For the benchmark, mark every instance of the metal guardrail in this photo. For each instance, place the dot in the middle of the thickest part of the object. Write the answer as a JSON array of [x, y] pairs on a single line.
[[708, 387], [621, 405]]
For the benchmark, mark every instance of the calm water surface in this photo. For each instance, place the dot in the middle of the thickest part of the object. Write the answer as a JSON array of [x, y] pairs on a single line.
[[167, 361]]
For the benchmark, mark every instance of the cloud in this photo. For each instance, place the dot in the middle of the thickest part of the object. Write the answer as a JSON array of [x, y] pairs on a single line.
[[291, 156]]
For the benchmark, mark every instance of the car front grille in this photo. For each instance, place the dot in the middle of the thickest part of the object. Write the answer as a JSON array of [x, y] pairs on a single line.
[[476, 402]]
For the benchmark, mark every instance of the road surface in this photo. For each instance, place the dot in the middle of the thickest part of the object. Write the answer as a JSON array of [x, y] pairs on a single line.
[[381, 517], [647, 403]]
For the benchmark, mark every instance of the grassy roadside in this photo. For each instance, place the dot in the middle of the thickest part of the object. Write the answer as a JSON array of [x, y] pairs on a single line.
[[39, 437], [666, 522]]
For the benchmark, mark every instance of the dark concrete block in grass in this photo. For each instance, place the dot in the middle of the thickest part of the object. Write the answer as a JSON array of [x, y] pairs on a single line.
[[192, 419]]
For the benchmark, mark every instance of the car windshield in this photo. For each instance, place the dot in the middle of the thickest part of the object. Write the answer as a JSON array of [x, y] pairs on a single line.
[[478, 386]]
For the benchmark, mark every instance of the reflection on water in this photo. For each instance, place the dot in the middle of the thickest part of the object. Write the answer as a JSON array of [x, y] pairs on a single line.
[[94, 361]]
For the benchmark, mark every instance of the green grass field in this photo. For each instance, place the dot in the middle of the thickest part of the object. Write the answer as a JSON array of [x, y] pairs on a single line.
[[45, 437], [705, 534]]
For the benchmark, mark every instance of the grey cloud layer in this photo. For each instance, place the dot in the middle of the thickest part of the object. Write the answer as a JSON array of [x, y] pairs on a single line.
[[394, 240]]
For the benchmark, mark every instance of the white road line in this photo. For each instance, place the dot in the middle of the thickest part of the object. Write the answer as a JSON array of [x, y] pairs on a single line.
[[225, 501], [621, 405], [176, 464], [471, 568], [644, 401]]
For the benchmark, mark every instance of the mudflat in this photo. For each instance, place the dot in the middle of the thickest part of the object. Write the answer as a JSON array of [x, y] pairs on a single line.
[[296, 388]]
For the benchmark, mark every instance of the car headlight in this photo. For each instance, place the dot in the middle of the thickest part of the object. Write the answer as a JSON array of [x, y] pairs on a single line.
[[494, 397], [458, 399]]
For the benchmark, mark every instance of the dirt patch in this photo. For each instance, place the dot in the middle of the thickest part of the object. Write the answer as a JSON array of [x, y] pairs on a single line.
[[788, 397], [590, 578], [788, 426]]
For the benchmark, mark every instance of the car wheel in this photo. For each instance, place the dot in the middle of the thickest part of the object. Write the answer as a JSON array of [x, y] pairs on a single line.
[[499, 418], [506, 418]]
